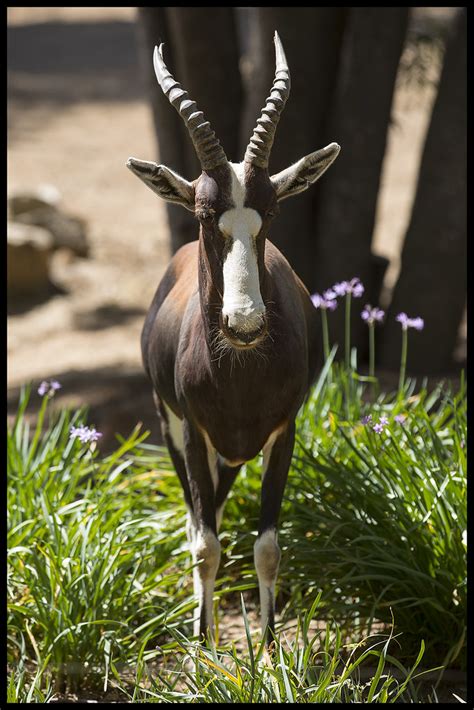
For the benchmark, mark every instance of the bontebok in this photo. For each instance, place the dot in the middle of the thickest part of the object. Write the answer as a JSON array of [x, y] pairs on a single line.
[[230, 341]]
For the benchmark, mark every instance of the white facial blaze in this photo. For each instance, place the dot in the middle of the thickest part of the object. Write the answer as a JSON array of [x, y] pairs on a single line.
[[242, 302]]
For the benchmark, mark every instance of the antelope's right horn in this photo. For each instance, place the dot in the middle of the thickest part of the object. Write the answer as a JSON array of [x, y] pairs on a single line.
[[207, 146]]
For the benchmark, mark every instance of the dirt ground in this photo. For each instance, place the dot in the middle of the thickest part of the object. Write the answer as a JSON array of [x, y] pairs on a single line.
[[77, 109]]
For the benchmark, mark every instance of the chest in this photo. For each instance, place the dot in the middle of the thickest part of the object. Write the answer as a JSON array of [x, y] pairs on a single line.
[[240, 399]]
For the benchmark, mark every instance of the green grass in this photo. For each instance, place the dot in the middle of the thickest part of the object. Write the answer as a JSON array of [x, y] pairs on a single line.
[[372, 532], [378, 521]]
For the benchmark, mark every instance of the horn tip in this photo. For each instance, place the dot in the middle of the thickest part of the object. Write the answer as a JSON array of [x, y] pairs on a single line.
[[158, 52], [279, 52], [333, 147]]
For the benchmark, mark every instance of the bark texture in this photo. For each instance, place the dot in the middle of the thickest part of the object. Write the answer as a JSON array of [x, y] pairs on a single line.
[[312, 39], [348, 195], [433, 277], [208, 70]]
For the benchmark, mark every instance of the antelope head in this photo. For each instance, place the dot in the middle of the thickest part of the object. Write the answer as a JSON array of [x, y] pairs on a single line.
[[234, 202]]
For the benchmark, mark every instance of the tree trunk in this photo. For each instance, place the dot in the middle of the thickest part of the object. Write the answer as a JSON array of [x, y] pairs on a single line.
[[201, 51], [433, 277], [348, 195], [311, 38], [153, 27]]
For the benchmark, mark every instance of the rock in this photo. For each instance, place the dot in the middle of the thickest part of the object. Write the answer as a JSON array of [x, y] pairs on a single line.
[[40, 207], [44, 196], [28, 252], [67, 232]]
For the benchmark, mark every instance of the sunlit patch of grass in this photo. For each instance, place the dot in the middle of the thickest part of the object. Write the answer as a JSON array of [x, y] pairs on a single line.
[[372, 525], [375, 521], [95, 548], [309, 668]]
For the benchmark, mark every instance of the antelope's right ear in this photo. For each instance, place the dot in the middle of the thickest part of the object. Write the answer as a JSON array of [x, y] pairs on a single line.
[[166, 183]]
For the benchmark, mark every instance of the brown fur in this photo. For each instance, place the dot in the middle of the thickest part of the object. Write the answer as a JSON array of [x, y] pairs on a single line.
[[238, 403]]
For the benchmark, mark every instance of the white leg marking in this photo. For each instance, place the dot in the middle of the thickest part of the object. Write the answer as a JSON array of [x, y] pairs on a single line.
[[267, 451], [268, 446], [190, 526], [175, 428], [212, 460], [206, 547], [267, 559]]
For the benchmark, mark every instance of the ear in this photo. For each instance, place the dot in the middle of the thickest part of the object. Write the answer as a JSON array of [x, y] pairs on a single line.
[[166, 183], [301, 175]]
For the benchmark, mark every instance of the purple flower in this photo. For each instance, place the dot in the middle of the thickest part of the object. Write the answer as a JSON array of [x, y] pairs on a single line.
[[372, 314], [354, 287], [400, 418], [84, 434], [327, 301], [367, 419], [43, 388], [48, 387], [329, 295], [341, 288], [417, 323], [357, 288], [380, 425], [93, 435]]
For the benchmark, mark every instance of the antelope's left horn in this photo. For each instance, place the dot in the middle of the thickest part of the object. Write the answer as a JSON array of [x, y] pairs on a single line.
[[260, 146]]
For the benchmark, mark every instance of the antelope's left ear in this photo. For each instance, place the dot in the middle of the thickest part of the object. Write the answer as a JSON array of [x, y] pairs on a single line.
[[301, 175], [165, 182]]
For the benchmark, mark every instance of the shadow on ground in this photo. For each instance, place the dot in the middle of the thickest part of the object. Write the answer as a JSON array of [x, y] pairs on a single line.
[[16, 306], [106, 316], [60, 62]]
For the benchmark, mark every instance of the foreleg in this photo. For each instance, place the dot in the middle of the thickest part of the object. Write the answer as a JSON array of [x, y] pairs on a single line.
[[277, 458], [201, 471]]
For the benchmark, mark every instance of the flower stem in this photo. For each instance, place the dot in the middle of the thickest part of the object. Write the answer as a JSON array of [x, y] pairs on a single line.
[[39, 429], [375, 384], [324, 319], [403, 363], [348, 331], [348, 378], [371, 350]]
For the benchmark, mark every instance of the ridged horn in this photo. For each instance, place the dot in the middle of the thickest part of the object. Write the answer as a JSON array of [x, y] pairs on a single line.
[[207, 146], [260, 146]]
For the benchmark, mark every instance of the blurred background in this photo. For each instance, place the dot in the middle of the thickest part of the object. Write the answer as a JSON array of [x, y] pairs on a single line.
[[88, 243]]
